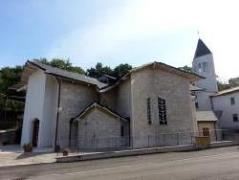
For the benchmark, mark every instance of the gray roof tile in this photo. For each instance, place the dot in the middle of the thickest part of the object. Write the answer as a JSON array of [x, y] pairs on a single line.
[[66, 74]]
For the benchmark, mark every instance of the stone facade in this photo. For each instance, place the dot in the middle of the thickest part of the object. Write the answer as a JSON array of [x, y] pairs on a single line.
[[124, 99], [74, 98], [124, 118], [100, 130], [154, 83]]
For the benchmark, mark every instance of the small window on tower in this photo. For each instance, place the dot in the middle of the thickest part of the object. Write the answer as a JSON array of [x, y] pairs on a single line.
[[204, 66], [199, 67], [232, 100]]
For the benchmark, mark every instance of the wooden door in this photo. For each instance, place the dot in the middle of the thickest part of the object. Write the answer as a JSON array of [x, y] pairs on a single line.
[[35, 133]]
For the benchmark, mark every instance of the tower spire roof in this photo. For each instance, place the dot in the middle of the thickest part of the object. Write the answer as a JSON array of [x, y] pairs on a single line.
[[201, 49]]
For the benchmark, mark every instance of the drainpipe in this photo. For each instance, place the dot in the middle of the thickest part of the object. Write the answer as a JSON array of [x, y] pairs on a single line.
[[58, 114]]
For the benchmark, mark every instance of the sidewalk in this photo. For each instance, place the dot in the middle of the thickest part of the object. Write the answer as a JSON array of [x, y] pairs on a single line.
[[13, 155]]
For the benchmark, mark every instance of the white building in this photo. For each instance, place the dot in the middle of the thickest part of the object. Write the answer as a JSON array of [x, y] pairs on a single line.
[[203, 65], [226, 106]]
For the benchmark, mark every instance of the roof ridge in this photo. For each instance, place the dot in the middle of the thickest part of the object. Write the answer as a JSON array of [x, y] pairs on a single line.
[[106, 88], [96, 104], [67, 74], [53, 67]]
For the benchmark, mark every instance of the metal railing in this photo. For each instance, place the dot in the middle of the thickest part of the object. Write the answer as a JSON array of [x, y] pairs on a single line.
[[82, 144]]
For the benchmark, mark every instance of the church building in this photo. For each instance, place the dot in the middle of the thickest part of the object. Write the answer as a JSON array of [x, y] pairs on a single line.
[[149, 106]]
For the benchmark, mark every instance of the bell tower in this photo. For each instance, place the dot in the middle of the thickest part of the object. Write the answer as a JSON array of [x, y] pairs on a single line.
[[203, 64]]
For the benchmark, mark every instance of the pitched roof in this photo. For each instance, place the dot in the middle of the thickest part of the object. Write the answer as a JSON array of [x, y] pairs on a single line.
[[201, 49], [162, 66], [227, 91], [102, 108], [66, 74], [205, 116]]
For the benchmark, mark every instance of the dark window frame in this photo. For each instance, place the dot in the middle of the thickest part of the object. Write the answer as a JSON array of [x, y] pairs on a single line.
[[206, 131], [235, 117], [232, 100], [122, 131], [149, 117], [162, 111]]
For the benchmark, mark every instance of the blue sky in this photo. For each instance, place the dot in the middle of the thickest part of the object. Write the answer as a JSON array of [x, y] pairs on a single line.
[[119, 31]]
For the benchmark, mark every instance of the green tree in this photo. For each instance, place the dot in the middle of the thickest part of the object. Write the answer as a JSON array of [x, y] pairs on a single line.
[[234, 81], [223, 86], [186, 68], [62, 64], [8, 77], [99, 70], [121, 70]]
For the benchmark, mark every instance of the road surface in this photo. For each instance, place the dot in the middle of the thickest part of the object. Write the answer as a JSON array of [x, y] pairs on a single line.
[[221, 163]]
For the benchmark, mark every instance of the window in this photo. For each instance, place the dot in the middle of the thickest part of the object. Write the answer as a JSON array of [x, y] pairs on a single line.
[[232, 100], [199, 67], [235, 117], [162, 111], [149, 110], [122, 130], [204, 66], [205, 132]]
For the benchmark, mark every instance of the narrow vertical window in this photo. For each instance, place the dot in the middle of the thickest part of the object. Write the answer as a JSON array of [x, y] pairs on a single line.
[[162, 111], [204, 66], [232, 100], [235, 117], [122, 130], [199, 68], [149, 110]]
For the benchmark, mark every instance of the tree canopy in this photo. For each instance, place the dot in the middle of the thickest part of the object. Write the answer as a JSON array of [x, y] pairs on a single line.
[[186, 68], [9, 76], [62, 64], [100, 70], [232, 82]]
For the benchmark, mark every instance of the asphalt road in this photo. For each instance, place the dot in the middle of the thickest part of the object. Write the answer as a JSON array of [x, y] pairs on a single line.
[[219, 164]]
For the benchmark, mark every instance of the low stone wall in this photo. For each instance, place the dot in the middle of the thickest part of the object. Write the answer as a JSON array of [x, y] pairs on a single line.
[[122, 153], [134, 152]]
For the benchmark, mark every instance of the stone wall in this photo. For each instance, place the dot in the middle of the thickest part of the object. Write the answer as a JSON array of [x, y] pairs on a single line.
[[74, 99], [154, 83], [124, 99], [109, 99], [100, 130]]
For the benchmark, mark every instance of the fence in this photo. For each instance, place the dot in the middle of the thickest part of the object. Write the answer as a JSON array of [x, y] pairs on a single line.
[[159, 140]]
